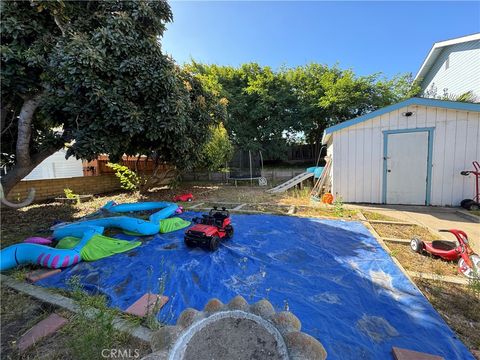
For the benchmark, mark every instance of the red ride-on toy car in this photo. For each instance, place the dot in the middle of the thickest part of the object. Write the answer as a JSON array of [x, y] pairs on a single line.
[[209, 230], [184, 197], [468, 261]]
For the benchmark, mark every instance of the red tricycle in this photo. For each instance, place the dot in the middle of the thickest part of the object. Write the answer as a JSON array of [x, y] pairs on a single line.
[[184, 197], [209, 230], [473, 204], [468, 261]]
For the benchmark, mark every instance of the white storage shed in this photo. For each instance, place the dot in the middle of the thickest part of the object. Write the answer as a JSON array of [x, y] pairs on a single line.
[[407, 153]]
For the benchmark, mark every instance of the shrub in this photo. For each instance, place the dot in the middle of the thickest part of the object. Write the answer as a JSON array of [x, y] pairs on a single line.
[[129, 180]]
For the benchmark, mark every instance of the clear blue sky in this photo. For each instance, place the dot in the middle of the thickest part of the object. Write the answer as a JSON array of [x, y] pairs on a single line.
[[390, 37]]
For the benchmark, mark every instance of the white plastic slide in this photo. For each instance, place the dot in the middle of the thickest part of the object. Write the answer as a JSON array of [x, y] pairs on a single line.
[[291, 183]]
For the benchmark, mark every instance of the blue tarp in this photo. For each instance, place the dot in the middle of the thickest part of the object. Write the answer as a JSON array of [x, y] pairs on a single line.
[[333, 275]]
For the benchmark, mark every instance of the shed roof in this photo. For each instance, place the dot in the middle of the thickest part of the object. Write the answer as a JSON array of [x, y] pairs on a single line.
[[437, 49], [454, 105]]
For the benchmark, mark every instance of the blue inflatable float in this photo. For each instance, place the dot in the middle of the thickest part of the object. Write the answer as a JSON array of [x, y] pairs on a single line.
[[26, 253]]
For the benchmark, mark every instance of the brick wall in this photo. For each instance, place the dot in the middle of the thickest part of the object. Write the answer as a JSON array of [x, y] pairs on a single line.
[[51, 188]]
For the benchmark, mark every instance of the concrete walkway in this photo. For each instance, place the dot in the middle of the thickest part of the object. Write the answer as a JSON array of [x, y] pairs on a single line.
[[435, 218]]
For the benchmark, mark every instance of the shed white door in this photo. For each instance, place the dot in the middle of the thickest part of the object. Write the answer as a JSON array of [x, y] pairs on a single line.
[[407, 155]]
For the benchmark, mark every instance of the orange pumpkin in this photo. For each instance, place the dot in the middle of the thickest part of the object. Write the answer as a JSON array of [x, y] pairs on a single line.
[[327, 198]]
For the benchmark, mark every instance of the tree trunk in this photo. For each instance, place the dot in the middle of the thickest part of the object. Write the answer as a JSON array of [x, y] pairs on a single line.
[[24, 161]]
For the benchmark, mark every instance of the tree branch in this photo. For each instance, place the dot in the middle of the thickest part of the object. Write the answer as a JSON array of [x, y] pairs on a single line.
[[59, 24]]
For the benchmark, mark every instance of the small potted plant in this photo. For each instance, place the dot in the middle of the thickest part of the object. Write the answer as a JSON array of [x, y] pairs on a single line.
[[72, 198]]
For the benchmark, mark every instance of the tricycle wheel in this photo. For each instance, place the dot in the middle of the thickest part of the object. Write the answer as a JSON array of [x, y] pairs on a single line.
[[474, 206], [466, 203], [189, 199], [467, 270], [416, 245], [214, 243], [229, 230]]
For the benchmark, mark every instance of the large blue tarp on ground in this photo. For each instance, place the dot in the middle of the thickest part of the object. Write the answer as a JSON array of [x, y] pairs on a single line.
[[333, 275]]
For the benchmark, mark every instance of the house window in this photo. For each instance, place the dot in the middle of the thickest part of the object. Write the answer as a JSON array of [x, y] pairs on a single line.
[[447, 62]]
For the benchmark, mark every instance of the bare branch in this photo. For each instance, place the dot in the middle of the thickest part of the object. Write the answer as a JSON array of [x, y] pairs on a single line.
[[59, 24]]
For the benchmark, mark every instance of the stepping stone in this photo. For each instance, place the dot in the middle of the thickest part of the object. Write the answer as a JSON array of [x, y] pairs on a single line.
[[146, 303], [40, 274], [42, 329], [404, 354]]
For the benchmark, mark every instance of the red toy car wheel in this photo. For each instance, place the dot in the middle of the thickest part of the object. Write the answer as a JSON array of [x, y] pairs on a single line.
[[214, 243], [229, 231], [188, 242]]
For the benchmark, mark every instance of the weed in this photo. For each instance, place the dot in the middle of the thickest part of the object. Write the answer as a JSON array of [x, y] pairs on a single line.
[[69, 194], [338, 208], [150, 320], [393, 253], [474, 285], [91, 331], [129, 180]]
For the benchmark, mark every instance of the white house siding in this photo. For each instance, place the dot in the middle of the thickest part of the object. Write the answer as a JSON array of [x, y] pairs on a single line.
[[462, 75], [56, 166], [357, 150]]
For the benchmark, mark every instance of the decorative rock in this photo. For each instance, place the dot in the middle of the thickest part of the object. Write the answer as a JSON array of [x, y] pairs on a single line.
[[304, 347], [188, 317], [238, 303], [213, 305], [263, 308], [165, 337], [286, 322]]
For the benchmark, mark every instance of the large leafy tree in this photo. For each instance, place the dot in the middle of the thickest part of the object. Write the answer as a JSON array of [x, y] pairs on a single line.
[[91, 74], [262, 107], [330, 95], [270, 110]]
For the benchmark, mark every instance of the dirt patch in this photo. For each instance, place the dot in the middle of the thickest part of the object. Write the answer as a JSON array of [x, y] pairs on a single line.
[[370, 215], [233, 338], [458, 305], [422, 263], [326, 212], [398, 231], [272, 209]]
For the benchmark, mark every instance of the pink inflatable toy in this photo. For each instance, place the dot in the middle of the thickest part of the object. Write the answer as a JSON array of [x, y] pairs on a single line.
[[179, 210], [38, 240]]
